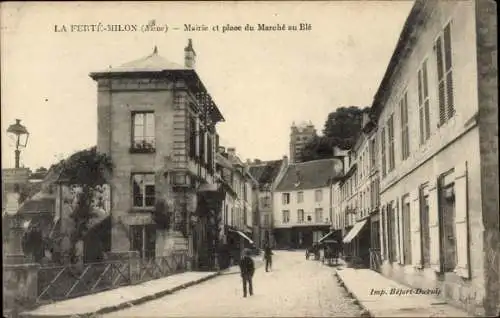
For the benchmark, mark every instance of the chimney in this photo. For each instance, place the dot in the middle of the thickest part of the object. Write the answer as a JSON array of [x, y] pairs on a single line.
[[257, 161], [249, 162], [221, 149], [189, 55], [365, 119], [231, 151]]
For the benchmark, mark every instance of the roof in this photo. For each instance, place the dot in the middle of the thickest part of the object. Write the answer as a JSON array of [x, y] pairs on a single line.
[[310, 175], [156, 64], [150, 63], [399, 53], [266, 172], [38, 205]]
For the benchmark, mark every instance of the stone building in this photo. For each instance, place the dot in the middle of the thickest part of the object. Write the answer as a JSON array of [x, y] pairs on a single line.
[[158, 122], [300, 135], [302, 201], [436, 112], [355, 203], [267, 174]]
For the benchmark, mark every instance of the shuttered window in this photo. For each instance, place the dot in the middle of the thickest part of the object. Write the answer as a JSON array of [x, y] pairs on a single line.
[[405, 136], [390, 141], [423, 103], [391, 231], [384, 248], [382, 147], [448, 246], [406, 224], [443, 53], [424, 224], [462, 221], [416, 241], [434, 238]]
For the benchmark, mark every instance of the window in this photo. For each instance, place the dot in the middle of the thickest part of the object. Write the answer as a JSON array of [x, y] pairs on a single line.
[[286, 216], [372, 153], [423, 103], [285, 198], [143, 131], [405, 136], [447, 225], [391, 232], [385, 233], [382, 146], [210, 150], [318, 195], [300, 215], [266, 220], [143, 189], [265, 202], [143, 239], [300, 197], [201, 140], [445, 76], [406, 217], [318, 215], [390, 135], [424, 226], [191, 130]]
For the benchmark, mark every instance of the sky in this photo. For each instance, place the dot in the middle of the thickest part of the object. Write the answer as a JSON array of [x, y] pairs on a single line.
[[262, 81]]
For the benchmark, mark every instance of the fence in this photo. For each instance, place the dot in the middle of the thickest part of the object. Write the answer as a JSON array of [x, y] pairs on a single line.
[[64, 282]]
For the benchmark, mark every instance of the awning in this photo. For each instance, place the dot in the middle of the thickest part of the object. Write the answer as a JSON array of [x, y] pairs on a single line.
[[354, 231], [243, 235], [325, 237]]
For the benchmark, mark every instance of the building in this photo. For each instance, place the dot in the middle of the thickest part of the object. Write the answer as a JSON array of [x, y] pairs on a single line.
[[302, 201], [437, 115], [237, 207], [158, 123], [355, 204], [267, 174], [299, 137]]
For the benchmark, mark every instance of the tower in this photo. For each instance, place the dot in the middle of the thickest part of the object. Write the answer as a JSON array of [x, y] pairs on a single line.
[[300, 135]]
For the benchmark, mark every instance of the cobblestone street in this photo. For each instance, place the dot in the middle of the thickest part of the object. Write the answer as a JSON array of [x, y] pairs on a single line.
[[296, 287]]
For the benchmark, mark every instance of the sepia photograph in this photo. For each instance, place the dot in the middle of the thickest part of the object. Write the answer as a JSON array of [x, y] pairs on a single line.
[[250, 158]]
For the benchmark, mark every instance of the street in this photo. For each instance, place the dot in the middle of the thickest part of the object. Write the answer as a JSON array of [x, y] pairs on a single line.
[[296, 287]]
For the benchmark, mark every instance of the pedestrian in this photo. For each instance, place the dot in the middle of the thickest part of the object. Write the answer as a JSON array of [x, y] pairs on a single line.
[[268, 257], [247, 268]]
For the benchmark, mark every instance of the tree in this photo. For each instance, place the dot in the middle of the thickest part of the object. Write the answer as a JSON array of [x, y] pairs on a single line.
[[87, 169], [342, 128]]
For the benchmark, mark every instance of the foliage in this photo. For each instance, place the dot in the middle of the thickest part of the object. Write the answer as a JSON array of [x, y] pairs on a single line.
[[342, 128], [87, 169]]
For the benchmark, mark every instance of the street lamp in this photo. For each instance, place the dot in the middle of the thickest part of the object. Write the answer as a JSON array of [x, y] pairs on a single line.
[[21, 134]]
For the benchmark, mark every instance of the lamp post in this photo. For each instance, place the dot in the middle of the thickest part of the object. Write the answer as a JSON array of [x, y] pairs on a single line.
[[15, 253], [21, 134]]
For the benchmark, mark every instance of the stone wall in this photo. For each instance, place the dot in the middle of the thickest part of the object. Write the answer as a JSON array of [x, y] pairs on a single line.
[[487, 48]]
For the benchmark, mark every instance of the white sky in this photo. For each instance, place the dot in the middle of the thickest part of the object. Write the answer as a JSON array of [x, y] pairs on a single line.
[[261, 81]]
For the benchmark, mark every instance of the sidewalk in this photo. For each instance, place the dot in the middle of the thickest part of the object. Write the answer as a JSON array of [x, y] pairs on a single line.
[[364, 284], [119, 298], [123, 297]]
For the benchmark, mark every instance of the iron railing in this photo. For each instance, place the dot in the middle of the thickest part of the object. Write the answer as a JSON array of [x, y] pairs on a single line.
[[57, 283], [70, 281]]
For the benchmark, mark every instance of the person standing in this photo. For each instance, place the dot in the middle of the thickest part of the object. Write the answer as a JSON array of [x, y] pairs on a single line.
[[247, 268], [268, 258]]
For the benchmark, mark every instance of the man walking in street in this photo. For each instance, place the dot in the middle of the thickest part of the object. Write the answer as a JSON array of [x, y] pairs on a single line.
[[268, 257], [247, 268]]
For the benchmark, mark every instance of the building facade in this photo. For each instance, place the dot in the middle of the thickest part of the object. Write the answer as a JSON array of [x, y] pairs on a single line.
[[302, 201], [267, 174], [238, 205], [157, 122], [300, 135], [436, 112], [355, 203]]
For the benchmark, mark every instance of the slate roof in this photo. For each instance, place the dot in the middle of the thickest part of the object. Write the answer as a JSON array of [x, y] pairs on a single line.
[[310, 175], [150, 63], [266, 172]]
